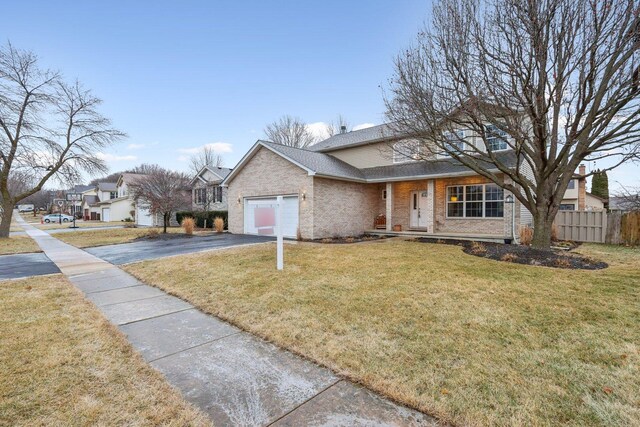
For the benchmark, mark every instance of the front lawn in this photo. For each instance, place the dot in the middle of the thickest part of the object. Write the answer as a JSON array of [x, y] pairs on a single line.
[[109, 236], [470, 340], [18, 245], [62, 363], [79, 224]]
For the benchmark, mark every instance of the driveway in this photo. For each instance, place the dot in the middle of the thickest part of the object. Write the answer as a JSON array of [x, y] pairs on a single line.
[[25, 265], [151, 249]]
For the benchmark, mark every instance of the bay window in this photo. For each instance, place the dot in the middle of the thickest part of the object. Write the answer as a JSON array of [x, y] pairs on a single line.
[[475, 201]]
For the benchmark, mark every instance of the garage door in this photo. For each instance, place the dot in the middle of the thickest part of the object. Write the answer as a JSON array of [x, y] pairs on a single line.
[[106, 214], [257, 211], [143, 216]]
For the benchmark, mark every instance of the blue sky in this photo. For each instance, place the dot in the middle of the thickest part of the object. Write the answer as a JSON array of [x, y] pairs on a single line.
[[178, 75]]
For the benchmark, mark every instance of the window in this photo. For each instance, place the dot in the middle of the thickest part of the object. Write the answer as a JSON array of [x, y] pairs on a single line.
[[572, 184], [113, 194], [406, 151], [496, 138], [567, 207], [475, 201], [217, 194], [454, 141], [200, 196]]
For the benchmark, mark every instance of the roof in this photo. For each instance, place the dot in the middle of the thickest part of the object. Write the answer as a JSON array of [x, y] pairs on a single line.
[[325, 165], [357, 137], [221, 172], [91, 200], [130, 177], [81, 188], [107, 186]]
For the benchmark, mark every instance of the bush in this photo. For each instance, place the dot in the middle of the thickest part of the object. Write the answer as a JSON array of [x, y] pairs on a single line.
[[478, 248], [218, 224], [152, 234], [201, 216], [188, 224], [509, 257], [526, 235]]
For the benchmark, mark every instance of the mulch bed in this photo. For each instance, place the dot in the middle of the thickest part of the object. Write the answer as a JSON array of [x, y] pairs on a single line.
[[350, 239], [170, 236], [521, 254]]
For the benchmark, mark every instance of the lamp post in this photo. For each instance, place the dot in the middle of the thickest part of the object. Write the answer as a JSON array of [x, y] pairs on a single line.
[[511, 201]]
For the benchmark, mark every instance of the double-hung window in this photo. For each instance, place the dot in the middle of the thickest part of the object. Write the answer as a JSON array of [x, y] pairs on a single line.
[[217, 194], [475, 201], [496, 138], [454, 141], [200, 196]]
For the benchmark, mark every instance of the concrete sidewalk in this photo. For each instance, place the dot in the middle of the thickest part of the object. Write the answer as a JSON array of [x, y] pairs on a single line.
[[234, 377]]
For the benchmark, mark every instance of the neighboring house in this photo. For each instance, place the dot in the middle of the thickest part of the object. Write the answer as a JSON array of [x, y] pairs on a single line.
[[354, 182], [206, 192], [91, 199], [75, 208], [577, 198], [122, 206]]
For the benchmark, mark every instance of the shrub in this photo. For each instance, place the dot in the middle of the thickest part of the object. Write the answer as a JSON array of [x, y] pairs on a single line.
[[153, 233], [478, 248], [218, 224], [188, 224], [201, 216], [526, 235], [562, 263], [509, 257]]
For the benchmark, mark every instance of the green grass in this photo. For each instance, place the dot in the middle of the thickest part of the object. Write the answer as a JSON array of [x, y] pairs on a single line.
[[63, 364], [469, 340]]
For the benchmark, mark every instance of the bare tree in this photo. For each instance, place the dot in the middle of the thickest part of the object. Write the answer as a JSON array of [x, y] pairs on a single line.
[[627, 198], [205, 157], [340, 125], [163, 191], [48, 129], [290, 131], [39, 199], [555, 81]]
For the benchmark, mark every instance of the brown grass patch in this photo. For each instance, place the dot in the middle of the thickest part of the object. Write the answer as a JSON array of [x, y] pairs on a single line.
[[18, 245], [62, 363], [511, 344]]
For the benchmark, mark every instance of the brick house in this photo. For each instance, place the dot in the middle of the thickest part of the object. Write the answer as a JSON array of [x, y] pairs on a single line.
[[357, 182]]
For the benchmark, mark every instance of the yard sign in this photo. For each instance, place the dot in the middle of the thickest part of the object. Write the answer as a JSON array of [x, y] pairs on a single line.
[[267, 217]]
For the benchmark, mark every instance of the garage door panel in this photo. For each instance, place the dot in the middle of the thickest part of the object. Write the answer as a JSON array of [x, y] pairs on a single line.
[[143, 216], [106, 214], [252, 225]]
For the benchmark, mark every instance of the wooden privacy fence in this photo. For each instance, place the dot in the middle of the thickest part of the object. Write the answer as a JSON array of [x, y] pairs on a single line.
[[615, 227], [582, 226]]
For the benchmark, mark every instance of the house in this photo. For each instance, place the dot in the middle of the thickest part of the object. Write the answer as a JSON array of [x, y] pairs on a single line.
[[357, 181], [122, 207], [75, 207], [577, 198], [91, 199], [206, 192]]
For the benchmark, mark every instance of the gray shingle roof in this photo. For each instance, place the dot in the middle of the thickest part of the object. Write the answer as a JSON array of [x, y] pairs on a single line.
[[356, 137], [327, 165], [320, 163], [223, 172], [91, 200], [107, 186]]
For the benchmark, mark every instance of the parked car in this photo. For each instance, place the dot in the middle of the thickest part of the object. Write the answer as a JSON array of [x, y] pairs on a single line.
[[56, 218], [25, 208]]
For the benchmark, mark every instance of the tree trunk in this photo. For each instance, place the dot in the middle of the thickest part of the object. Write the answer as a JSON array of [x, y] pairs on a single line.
[[165, 217], [7, 214], [542, 226]]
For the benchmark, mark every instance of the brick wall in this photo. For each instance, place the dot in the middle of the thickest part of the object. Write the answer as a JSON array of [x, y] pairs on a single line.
[[268, 174], [402, 201], [496, 226], [342, 208]]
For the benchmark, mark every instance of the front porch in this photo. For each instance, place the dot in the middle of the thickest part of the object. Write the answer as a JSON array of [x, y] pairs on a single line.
[[462, 207]]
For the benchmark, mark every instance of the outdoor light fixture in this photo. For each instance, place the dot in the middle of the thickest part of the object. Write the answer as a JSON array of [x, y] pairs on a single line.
[[239, 199], [509, 199], [304, 196]]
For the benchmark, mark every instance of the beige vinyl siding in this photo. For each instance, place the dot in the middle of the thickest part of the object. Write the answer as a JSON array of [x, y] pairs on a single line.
[[366, 156]]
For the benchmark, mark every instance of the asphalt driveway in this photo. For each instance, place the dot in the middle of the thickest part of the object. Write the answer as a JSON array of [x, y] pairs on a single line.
[[25, 265], [152, 249]]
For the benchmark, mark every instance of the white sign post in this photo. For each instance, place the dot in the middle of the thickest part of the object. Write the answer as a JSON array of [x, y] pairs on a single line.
[[280, 239]]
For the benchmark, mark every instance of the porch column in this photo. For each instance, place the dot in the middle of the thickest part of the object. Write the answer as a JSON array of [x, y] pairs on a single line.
[[389, 206], [430, 206]]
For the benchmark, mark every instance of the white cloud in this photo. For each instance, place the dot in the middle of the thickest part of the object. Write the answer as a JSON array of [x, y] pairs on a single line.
[[319, 130], [135, 146], [217, 147], [363, 126], [107, 157]]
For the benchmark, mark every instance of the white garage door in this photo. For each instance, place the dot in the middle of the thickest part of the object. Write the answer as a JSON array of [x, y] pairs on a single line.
[[106, 214], [253, 213], [143, 216]]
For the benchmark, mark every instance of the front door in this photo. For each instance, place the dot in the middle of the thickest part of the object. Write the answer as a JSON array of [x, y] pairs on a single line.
[[418, 209]]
